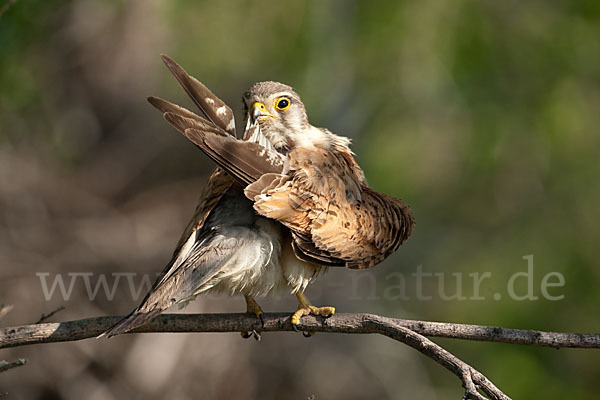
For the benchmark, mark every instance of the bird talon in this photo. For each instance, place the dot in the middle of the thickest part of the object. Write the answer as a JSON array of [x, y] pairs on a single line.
[[252, 307], [322, 311], [246, 335], [305, 308], [253, 333]]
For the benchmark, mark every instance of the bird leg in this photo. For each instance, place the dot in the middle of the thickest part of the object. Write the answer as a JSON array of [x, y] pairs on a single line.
[[305, 308], [252, 307]]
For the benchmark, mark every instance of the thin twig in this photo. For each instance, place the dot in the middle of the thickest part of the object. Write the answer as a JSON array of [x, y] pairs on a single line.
[[470, 377], [5, 309], [46, 316], [5, 366], [409, 332]]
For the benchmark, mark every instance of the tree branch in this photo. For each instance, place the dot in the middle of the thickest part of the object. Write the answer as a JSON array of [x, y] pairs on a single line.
[[409, 332]]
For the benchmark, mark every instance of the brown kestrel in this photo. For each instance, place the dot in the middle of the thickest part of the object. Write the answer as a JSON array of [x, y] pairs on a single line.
[[285, 202]]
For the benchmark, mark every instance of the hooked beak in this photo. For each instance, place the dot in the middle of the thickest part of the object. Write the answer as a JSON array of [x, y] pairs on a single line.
[[259, 111]]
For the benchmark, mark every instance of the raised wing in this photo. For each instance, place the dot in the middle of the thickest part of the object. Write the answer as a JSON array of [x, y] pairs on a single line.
[[335, 219], [221, 123], [213, 108]]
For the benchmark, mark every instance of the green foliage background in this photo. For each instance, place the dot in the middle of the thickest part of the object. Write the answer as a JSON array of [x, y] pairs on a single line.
[[482, 115]]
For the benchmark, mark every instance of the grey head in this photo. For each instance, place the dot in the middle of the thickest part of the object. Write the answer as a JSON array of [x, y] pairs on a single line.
[[277, 111]]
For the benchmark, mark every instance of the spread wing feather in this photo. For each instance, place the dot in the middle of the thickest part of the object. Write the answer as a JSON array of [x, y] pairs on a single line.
[[213, 108], [165, 106], [246, 161]]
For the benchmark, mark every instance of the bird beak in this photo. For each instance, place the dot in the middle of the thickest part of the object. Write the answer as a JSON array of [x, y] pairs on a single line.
[[259, 111]]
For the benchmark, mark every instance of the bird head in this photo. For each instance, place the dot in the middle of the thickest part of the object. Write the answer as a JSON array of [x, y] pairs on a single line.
[[276, 109]]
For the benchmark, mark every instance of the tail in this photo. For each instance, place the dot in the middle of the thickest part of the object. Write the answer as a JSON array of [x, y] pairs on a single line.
[[179, 282], [158, 299], [134, 320]]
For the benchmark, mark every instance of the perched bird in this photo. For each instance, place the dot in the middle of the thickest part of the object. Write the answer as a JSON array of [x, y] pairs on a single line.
[[285, 202]]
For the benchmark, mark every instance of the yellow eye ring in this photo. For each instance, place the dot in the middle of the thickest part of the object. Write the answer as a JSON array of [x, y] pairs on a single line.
[[281, 103]]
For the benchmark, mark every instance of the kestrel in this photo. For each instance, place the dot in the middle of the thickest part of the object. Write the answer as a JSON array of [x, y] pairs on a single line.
[[285, 202]]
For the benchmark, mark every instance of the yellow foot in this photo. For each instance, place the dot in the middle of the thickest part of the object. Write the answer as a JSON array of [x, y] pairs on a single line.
[[305, 308], [252, 307]]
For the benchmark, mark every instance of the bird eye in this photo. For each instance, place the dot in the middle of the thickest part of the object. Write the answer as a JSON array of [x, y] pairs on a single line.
[[282, 103]]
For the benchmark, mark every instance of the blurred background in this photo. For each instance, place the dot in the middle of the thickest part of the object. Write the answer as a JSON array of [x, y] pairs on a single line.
[[482, 115]]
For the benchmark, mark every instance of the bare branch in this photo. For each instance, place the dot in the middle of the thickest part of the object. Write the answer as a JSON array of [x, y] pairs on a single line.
[[340, 323], [5, 366], [409, 332]]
